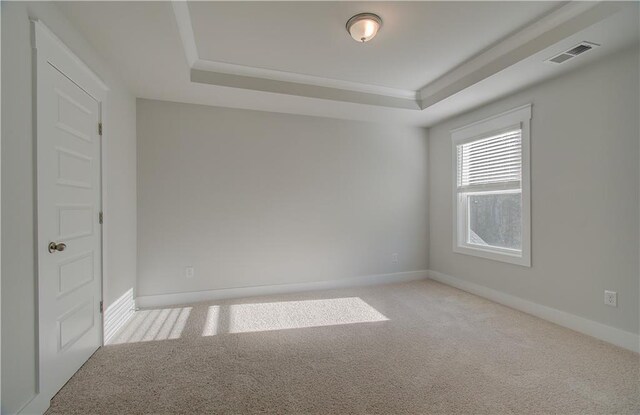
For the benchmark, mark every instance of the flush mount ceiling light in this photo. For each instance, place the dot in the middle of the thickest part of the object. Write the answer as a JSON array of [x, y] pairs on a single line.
[[364, 26]]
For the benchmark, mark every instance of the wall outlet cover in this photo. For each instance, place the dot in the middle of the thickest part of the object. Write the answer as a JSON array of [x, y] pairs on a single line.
[[189, 272], [611, 298]]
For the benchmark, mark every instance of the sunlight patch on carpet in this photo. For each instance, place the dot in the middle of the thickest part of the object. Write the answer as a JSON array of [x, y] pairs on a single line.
[[246, 318], [150, 325]]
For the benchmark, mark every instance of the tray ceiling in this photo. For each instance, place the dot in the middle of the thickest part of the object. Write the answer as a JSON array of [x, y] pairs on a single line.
[[418, 42], [431, 60]]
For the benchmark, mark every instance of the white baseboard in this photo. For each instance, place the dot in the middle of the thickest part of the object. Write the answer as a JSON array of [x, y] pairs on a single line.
[[38, 405], [118, 314], [619, 337], [196, 296]]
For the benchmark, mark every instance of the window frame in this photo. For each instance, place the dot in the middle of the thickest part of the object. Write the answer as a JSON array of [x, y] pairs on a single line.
[[519, 117]]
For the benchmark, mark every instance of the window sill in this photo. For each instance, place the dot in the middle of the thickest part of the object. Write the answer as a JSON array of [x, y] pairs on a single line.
[[501, 256]]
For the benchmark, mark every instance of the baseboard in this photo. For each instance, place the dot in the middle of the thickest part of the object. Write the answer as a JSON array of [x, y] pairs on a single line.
[[36, 406], [622, 338], [118, 314], [197, 296]]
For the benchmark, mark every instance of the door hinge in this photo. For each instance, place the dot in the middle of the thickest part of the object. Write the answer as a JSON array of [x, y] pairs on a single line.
[[101, 307], [100, 218], [100, 128]]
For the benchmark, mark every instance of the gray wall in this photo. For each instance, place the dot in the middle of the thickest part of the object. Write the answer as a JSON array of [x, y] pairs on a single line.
[[253, 198], [584, 181], [18, 204]]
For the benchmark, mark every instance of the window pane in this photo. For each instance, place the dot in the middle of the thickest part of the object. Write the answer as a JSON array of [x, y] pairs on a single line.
[[495, 220]]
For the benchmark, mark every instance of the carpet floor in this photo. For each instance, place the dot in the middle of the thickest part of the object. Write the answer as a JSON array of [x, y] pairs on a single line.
[[410, 348]]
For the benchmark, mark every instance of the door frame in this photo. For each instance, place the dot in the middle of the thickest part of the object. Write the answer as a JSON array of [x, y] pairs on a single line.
[[48, 49]]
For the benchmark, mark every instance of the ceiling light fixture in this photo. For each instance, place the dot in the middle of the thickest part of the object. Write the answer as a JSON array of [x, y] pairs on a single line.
[[364, 26]]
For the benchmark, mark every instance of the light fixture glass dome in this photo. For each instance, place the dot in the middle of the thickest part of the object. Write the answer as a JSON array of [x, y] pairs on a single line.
[[364, 26]]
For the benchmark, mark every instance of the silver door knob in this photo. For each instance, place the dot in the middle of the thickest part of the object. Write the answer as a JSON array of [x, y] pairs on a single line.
[[57, 247]]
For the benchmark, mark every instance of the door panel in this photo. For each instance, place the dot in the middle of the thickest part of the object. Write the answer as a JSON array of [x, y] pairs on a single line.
[[74, 169], [75, 221], [75, 323], [69, 200], [75, 272]]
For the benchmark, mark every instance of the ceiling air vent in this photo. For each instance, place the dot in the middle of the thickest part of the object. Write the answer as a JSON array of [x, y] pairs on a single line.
[[581, 48], [573, 52], [560, 58]]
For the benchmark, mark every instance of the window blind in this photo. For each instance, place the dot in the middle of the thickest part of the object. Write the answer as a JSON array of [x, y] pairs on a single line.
[[492, 160]]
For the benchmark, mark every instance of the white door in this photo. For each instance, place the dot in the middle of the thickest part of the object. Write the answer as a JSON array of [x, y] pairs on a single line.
[[69, 230]]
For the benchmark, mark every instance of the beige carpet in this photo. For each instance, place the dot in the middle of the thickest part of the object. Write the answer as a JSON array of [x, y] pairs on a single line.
[[419, 347]]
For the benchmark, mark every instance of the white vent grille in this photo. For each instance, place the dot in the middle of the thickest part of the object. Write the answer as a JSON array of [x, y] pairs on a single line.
[[573, 52]]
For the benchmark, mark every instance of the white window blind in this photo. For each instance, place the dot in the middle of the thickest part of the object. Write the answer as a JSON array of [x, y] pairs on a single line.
[[495, 160]]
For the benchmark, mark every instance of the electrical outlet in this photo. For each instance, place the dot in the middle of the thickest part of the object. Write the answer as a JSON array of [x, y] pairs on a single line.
[[189, 272], [611, 298], [394, 258]]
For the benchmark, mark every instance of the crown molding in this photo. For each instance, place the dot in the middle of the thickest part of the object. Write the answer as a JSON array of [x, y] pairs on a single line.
[[183, 20], [275, 75], [301, 89]]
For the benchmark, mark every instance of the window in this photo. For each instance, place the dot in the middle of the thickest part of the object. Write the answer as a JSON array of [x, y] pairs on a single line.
[[491, 188]]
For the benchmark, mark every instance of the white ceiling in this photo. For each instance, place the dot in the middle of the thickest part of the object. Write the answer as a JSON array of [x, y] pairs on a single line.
[[418, 42], [144, 43]]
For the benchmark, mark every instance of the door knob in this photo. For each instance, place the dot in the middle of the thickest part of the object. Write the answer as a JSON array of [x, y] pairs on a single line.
[[56, 247]]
